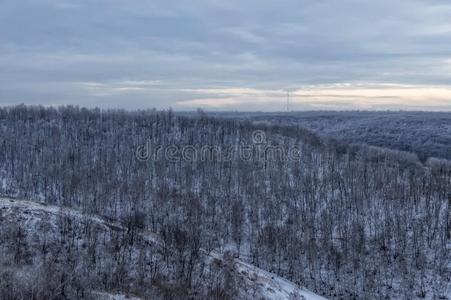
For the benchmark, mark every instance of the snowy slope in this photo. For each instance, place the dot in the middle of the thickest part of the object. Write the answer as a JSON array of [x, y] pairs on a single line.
[[272, 286], [107, 296], [264, 285]]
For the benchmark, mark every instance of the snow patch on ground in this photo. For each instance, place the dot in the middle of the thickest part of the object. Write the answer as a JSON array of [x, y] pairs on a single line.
[[108, 296]]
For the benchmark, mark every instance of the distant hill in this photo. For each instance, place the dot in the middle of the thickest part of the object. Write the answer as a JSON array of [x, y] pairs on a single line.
[[427, 134]]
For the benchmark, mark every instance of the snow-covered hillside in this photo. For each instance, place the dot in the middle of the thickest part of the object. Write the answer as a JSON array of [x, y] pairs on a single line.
[[254, 282]]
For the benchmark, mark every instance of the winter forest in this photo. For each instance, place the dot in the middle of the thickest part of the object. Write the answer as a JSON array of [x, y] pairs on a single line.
[[103, 204], [426, 134]]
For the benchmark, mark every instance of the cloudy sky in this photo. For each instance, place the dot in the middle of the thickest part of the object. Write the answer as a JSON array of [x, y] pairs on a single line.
[[227, 54]]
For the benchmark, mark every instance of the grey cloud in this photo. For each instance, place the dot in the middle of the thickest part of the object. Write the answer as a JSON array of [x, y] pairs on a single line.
[[48, 46]]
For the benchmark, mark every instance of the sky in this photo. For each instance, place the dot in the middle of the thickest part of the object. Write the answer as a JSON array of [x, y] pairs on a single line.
[[227, 54]]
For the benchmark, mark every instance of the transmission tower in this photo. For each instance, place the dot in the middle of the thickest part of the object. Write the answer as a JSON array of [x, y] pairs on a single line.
[[288, 100]]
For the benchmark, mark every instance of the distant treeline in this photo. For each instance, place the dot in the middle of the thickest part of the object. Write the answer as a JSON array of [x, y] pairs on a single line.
[[427, 134]]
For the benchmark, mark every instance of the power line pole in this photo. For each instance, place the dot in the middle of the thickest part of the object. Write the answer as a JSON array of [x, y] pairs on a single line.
[[288, 100]]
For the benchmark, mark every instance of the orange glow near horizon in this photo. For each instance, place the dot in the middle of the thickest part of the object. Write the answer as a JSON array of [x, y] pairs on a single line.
[[335, 96]]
